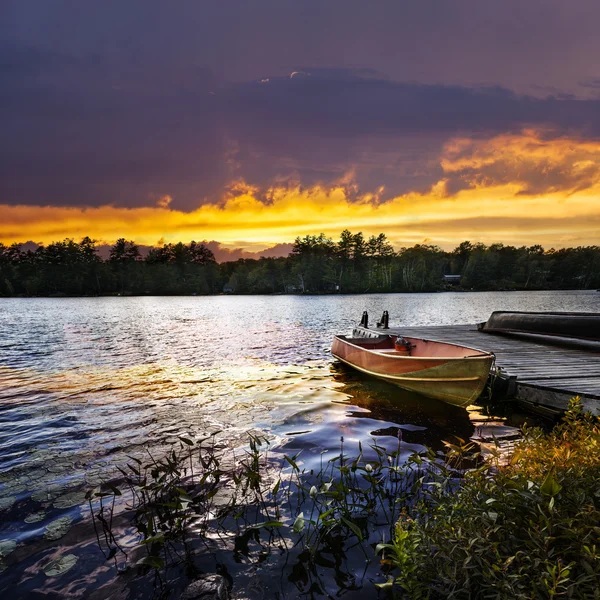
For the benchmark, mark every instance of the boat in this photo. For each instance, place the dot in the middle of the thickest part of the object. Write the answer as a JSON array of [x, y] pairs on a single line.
[[449, 372], [559, 325]]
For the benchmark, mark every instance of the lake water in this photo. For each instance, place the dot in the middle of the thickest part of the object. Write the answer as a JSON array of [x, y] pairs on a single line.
[[84, 382]]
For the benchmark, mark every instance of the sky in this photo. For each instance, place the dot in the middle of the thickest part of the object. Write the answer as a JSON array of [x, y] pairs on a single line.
[[247, 124]]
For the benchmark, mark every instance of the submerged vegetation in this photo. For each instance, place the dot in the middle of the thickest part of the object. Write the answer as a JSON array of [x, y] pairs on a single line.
[[448, 525], [316, 264]]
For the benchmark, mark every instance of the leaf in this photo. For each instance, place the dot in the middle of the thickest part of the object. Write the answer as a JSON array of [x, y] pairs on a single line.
[[354, 527], [35, 517], [187, 441], [6, 503], [183, 495], [133, 469], [292, 462], [6, 547], [550, 487], [324, 515], [115, 490], [60, 566], [151, 561], [276, 488], [103, 494], [298, 525], [160, 538], [326, 486], [56, 529], [385, 586], [267, 524]]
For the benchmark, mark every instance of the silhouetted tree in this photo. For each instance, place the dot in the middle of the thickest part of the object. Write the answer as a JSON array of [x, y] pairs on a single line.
[[316, 264]]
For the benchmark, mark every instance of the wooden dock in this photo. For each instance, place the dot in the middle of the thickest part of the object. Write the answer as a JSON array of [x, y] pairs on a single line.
[[538, 374]]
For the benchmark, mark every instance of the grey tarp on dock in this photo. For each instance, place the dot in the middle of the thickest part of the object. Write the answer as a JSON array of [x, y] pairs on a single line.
[[548, 375]]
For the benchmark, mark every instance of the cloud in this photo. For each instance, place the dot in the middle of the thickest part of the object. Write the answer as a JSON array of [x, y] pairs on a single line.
[[345, 104], [518, 188], [538, 161], [115, 132], [224, 253], [593, 83], [22, 61], [164, 201], [315, 130], [110, 133]]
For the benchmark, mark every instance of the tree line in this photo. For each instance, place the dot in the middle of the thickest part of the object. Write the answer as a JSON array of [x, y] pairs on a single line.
[[316, 264]]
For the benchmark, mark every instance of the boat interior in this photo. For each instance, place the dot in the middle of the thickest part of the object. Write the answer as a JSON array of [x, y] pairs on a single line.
[[408, 346]]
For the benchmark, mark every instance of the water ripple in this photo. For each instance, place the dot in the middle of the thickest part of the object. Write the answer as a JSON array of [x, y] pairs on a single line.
[[86, 382]]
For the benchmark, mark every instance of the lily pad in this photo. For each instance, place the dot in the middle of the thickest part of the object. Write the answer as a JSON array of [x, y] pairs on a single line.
[[60, 466], [75, 482], [35, 517], [58, 528], [6, 547], [95, 477], [16, 486], [6, 503], [60, 565], [44, 495], [69, 500]]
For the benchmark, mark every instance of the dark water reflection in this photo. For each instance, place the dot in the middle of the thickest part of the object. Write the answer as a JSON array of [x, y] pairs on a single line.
[[86, 382]]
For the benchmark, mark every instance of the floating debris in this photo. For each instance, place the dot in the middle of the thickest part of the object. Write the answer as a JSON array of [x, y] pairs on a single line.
[[58, 528], [60, 565]]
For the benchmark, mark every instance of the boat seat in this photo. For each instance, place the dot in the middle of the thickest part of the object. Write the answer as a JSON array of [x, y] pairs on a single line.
[[394, 352]]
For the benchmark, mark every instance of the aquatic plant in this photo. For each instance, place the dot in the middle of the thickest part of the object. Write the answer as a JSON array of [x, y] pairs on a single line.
[[456, 526], [199, 494]]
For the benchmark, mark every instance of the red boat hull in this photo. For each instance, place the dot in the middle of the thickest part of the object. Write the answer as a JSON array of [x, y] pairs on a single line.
[[454, 374]]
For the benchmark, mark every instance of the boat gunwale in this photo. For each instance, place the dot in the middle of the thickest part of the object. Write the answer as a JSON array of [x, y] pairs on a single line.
[[402, 378], [485, 353]]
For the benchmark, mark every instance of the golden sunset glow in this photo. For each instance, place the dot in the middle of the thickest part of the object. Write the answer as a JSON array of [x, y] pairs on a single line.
[[513, 188]]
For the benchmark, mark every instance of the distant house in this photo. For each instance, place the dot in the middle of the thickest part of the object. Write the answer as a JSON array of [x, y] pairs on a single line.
[[452, 279]]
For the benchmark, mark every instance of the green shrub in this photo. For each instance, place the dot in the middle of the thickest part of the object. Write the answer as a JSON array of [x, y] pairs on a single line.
[[528, 529]]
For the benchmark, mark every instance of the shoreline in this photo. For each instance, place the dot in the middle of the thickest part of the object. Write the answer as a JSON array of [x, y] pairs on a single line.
[[389, 293]]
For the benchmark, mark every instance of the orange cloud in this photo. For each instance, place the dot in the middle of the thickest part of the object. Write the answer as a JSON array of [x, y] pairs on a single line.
[[518, 189], [164, 201], [529, 159]]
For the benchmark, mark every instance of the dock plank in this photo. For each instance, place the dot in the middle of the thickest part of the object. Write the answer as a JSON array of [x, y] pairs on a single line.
[[545, 374]]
